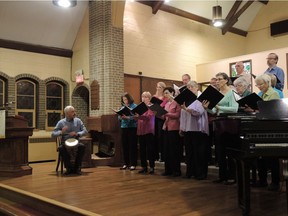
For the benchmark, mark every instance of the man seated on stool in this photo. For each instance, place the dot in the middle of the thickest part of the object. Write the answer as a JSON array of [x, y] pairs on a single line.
[[70, 127]]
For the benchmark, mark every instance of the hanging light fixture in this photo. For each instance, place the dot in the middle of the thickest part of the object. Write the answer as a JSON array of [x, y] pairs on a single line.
[[65, 3], [217, 16]]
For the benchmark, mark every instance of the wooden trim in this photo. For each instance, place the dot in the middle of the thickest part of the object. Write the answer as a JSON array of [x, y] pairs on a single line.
[[184, 14], [41, 204], [36, 48]]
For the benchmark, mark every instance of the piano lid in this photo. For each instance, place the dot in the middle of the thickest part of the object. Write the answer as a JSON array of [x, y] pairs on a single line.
[[273, 109]]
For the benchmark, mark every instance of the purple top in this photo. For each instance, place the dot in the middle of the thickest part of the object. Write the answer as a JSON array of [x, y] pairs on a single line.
[[194, 120], [146, 123]]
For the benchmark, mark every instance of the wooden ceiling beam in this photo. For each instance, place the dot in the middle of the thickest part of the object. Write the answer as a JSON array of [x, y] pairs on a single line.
[[194, 17], [264, 1], [233, 10], [156, 6], [234, 18]]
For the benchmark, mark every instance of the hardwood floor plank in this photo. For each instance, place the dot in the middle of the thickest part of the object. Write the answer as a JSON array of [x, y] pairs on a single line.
[[109, 191]]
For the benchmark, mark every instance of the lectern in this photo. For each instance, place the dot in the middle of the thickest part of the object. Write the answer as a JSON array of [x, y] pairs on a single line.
[[14, 148]]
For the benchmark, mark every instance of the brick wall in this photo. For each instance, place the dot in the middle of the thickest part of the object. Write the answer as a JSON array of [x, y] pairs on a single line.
[[106, 60], [80, 100]]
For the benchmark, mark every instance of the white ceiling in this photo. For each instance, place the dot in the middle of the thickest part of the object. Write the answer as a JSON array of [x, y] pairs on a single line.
[[42, 23], [204, 9]]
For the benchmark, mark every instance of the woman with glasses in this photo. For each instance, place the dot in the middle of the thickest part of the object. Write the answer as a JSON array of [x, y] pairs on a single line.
[[263, 82], [194, 127], [228, 104], [172, 145]]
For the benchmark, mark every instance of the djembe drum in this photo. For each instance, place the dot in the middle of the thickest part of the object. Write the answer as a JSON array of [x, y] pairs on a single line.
[[71, 145]]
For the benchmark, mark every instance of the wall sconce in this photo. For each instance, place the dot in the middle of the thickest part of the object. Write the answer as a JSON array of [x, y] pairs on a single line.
[[65, 3], [217, 16]]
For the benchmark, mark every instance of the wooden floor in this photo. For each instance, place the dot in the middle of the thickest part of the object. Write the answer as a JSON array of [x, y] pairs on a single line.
[[109, 191]]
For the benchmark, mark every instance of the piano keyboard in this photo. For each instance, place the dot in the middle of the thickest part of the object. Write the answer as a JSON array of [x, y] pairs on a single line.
[[271, 145]]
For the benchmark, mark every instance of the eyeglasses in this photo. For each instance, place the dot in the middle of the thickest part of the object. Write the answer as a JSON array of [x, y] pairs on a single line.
[[260, 84], [269, 58], [218, 79]]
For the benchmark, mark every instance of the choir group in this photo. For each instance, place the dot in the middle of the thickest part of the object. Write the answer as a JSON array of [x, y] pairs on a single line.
[[162, 136]]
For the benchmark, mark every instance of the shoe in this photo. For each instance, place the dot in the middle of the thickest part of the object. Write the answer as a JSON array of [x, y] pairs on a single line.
[[132, 168], [176, 174], [151, 171], [273, 187], [231, 182], [124, 167], [166, 174], [260, 184], [78, 171], [68, 172], [186, 176], [218, 181], [143, 171]]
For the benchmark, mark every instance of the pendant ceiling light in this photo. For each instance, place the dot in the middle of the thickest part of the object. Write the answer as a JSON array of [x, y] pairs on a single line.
[[217, 16], [65, 3]]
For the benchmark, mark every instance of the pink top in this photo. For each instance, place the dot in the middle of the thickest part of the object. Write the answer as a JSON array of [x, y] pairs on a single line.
[[146, 123], [172, 118]]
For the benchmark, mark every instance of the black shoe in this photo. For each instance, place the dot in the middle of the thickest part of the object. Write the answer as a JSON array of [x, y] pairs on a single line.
[[151, 171], [124, 167], [273, 187], [231, 182], [218, 181], [260, 184], [132, 168], [176, 174], [187, 176], [68, 171], [166, 174], [78, 171], [143, 171]]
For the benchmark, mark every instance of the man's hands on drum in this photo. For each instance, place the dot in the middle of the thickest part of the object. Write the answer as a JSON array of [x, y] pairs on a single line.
[[72, 133]]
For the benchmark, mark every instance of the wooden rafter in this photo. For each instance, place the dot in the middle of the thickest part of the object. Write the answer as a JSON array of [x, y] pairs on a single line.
[[264, 1], [156, 6], [233, 10], [234, 18], [231, 18]]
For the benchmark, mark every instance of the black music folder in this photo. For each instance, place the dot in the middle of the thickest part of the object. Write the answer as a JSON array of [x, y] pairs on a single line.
[[155, 100], [140, 109], [212, 95], [179, 89], [233, 79], [123, 111], [250, 100], [186, 96], [158, 110]]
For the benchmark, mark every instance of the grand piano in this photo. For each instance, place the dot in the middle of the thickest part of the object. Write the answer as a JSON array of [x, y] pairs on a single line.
[[261, 135]]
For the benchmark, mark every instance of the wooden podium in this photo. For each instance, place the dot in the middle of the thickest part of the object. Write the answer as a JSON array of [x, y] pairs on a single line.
[[14, 148]]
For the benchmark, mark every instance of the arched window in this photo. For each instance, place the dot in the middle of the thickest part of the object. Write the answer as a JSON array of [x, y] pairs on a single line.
[[26, 100], [54, 104]]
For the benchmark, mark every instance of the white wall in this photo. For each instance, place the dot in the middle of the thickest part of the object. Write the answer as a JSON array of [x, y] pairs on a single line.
[[259, 65]]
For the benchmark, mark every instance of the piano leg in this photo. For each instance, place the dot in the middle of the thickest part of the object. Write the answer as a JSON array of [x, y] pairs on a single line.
[[243, 185]]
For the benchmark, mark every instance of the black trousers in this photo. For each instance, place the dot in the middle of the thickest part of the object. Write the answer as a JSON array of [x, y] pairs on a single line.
[[67, 153], [129, 146], [158, 138], [172, 152], [147, 150], [227, 169], [196, 154]]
